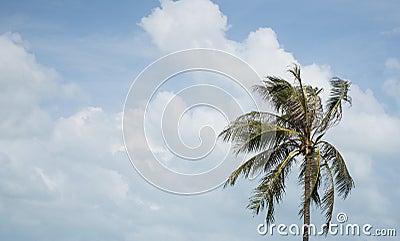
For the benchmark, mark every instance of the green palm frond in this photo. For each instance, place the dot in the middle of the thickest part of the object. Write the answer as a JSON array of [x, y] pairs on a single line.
[[315, 169], [334, 109], [285, 99], [328, 198], [255, 131], [343, 180], [271, 188], [261, 162]]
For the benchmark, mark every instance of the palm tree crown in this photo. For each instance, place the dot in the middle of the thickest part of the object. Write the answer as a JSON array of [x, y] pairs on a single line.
[[294, 132]]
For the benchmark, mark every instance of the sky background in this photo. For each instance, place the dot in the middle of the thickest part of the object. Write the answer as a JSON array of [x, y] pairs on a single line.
[[65, 70]]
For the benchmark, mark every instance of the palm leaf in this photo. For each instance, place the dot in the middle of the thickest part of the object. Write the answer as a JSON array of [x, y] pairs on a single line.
[[261, 162], [271, 188], [254, 132], [328, 199], [339, 94], [343, 179]]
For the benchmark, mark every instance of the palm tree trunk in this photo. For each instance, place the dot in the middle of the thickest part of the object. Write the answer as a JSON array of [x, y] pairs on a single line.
[[307, 192]]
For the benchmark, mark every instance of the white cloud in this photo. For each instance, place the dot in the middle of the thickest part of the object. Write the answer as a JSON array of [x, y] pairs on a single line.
[[184, 24], [178, 25], [391, 86], [111, 183], [185, 131], [23, 81], [83, 145], [55, 171], [23, 182], [366, 127], [318, 75], [263, 52], [51, 185], [392, 64], [24, 85], [361, 166], [90, 125]]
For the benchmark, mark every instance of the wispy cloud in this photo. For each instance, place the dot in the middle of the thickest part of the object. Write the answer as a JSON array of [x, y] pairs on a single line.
[[392, 32]]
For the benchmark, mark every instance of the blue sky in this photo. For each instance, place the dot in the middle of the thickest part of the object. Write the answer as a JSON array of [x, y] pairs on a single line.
[[65, 70]]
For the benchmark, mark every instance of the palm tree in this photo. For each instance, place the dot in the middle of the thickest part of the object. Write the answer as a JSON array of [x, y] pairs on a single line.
[[293, 133]]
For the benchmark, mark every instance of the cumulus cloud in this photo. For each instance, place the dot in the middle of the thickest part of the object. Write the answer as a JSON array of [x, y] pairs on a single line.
[[27, 84], [177, 25], [206, 28], [54, 168]]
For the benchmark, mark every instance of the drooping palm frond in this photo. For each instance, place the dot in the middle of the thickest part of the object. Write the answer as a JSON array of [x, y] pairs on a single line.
[[279, 92], [256, 131], [328, 198], [262, 162], [334, 109], [343, 180], [285, 99], [271, 188]]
